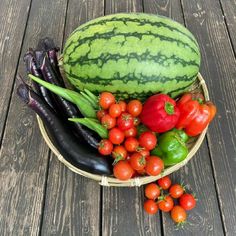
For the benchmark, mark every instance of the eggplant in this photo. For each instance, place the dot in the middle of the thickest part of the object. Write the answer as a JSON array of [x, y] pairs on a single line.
[[68, 145], [31, 68]]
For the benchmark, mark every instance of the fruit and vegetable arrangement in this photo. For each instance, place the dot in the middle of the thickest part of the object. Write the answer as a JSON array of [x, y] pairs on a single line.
[[167, 197], [122, 107]]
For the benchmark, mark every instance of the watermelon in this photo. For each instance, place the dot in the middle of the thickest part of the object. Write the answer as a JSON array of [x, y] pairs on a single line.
[[132, 55]]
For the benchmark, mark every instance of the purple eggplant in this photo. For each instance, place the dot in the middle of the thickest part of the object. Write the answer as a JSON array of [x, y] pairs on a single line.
[[70, 147]]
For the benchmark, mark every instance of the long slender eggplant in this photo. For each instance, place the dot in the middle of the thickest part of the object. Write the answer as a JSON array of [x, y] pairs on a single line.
[[31, 68], [67, 144], [65, 107]]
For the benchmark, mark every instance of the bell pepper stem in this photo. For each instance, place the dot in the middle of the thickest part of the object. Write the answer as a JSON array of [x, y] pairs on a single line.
[[169, 108]]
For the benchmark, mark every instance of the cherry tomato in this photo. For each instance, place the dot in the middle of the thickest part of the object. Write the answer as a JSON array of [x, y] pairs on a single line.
[[122, 170], [187, 201], [150, 206], [132, 132], [136, 121], [166, 204], [119, 153], [152, 191], [108, 122], [131, 144], [134, 107], [164, 182], [176, 191], [125, 121], [123, 106], [178, 214], [105, 147], [144, 152], [115, 110], [106, 99], [116, 136], [101, 113], [137, 161], [141, 172], [148, 140], [154, 165]]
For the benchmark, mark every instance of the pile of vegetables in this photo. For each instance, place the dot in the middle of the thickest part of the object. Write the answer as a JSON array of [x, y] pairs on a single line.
[[167, 197], [103, 135]]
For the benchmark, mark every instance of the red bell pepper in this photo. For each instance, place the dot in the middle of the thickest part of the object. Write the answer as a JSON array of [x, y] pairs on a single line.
[[195, 114], [160, 113]]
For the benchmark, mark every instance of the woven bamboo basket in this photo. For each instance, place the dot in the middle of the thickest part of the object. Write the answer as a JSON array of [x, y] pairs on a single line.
[[193, 145]]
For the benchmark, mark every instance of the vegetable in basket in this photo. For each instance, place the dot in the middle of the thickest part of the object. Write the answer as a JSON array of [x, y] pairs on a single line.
[[67, 144], [195, 114], [172, 147]]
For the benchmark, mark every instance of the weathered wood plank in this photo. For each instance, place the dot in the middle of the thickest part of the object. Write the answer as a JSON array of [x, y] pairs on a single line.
[[123, 212], [205, 19], [12, 12], [205, 217], [24, 155], [72, 204], [229, 12]]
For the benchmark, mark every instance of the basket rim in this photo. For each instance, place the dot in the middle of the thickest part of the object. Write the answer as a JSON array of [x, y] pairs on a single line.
[[137, 181]]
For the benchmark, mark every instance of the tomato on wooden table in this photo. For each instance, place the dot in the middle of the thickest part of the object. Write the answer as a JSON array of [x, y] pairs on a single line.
[[178, 214], [166, 203], [176, 191], [152, 191], [187, 201], [150, 206], [164, 182]]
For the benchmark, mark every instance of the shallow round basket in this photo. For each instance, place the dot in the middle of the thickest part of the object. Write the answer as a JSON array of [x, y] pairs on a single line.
[[193, 145]]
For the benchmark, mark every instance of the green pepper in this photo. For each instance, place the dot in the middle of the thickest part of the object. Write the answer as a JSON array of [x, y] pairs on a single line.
[[172, 147]]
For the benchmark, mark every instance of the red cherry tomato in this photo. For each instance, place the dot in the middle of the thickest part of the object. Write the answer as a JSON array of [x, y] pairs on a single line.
[[176, 190], [119, 153], [116, 136], [148, 140], [137, 161], [144, 152], [101, 113], [131, 144], [141, 172], [115, 110], [152, 191], [122, 170], [134, 107], [164, 182], [125, 121], [132, 132], [123, 106], [166, 204], [154, 165], [105, 147], [108, 122], [178, 214], [106, 99], [150, 207], [187, 201]]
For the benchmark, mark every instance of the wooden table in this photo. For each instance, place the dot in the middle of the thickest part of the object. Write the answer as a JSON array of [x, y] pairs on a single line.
[[40, 196]]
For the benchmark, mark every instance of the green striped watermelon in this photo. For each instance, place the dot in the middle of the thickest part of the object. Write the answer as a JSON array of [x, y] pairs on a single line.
[[132, 55]]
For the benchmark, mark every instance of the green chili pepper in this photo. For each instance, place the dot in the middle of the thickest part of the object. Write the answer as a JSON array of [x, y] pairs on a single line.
[[172, 147], [79, 100], [92, 124]]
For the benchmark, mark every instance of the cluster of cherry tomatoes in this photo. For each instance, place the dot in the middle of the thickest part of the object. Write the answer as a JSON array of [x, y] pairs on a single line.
[[131, 152], [161, 196]]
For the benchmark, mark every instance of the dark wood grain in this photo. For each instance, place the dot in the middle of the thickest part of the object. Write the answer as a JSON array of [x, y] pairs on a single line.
[[123, 212], [72, 204], [229, 13], [11, 14], [205, 217], [205, 19], [24, 154]]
